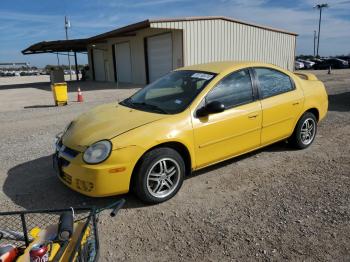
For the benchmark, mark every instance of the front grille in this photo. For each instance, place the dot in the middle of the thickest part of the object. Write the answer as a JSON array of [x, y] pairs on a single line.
[[70, 152], [64, 162], [66, 151]]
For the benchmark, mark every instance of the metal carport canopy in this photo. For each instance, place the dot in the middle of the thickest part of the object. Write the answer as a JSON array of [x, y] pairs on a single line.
[[74, 45]]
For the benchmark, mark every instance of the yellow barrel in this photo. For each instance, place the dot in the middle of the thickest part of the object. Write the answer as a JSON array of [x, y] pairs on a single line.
[[60, 94]]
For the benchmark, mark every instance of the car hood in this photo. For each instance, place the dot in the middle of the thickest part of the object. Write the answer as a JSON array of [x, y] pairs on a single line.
[[105, 122]]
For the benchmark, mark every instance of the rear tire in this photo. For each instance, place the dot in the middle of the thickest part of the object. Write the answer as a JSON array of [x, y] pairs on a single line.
[[305, 131], [159, 176]]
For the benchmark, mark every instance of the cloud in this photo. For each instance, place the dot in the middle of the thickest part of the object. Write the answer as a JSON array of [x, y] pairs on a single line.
[[20, 29], [145, 3], [26, 17], [302, 19], [156, 2]]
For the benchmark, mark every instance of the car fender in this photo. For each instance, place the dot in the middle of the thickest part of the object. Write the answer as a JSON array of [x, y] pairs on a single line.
[[173, 129]]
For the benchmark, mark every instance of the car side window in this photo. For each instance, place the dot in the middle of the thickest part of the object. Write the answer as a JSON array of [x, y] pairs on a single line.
[[233, 90], [273, 82]]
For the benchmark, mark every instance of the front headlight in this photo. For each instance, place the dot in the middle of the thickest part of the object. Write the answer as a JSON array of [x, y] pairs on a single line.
[[97, 152]]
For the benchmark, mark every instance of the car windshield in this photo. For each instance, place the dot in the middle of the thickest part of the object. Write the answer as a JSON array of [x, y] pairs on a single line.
[[171, 93]]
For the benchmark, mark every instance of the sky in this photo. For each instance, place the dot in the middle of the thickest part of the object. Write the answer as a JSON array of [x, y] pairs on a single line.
[[23, 22]]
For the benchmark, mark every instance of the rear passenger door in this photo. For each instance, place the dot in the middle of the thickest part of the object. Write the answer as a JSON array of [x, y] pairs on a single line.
[[281, 102]]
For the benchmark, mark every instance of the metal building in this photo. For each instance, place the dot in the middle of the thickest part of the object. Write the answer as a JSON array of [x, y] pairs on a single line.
[[140, 53]]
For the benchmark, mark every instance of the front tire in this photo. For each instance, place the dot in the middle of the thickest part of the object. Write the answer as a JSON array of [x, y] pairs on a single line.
[[159, 176], [305, 131]]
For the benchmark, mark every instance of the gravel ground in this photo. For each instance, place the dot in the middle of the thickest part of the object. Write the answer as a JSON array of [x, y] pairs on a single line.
[[271, 205]]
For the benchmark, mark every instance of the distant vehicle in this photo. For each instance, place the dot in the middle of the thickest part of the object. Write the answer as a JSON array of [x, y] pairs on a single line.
[[307, 64], [346, 58], [298, 65], [66, 72], [316, 60], [10, 73], [334, 63], [44, 72]]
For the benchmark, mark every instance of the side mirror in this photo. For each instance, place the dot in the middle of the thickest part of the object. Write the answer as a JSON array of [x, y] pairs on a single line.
[[210, 108]]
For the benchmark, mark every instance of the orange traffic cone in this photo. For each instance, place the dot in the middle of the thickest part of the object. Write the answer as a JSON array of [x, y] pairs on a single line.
[[80, 95]]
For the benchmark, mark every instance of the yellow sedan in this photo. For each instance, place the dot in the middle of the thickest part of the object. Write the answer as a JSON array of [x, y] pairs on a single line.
[[190, 118]]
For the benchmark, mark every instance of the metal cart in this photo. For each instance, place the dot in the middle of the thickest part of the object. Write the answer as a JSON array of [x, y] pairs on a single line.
[[23, 228]]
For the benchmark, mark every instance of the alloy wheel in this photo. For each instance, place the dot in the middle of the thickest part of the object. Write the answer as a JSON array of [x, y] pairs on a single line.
[[307, 132], [163, 177]]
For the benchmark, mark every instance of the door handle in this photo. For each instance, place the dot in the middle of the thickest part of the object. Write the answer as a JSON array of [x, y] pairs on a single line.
[[253, 116], [295, 103]]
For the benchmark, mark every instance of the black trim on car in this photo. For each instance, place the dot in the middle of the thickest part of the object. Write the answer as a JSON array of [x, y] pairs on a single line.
[[255, 85]]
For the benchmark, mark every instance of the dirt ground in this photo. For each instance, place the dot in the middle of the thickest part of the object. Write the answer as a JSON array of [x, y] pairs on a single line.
[[271, 205]]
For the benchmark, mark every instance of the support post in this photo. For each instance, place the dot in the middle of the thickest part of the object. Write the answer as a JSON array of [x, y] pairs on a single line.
[[76, 66], [319, 31], [58, 59], [315, 37], [320, 7]]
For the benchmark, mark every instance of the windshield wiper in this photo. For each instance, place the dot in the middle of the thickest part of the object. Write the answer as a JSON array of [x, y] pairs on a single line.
[[130, 103], [149, 106]]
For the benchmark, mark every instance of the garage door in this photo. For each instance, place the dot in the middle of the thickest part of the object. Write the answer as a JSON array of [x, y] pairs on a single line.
[[99, 65], [123, 62], [160, 56]]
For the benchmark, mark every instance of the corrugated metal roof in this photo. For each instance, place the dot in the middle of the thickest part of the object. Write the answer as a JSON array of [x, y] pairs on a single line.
[[74, 45], [122, 31], [198, 18], [146, 23]]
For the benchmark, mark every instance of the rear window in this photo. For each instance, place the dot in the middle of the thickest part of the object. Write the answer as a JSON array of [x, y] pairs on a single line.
[[273, 82]]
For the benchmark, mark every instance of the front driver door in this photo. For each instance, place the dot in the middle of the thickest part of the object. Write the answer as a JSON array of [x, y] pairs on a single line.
[[232, 132]]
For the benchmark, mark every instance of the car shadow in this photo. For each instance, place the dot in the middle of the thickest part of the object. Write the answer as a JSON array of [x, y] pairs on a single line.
[[277, 147], [34, 185], [339, 102], [37, 85], [38, 106]]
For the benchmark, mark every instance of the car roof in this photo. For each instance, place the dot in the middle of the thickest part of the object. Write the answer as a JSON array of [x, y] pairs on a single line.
[[219, 67]]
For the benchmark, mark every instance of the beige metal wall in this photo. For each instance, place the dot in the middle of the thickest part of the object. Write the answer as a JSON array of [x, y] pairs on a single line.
[[138, 63], [104, 48], [221, 40]]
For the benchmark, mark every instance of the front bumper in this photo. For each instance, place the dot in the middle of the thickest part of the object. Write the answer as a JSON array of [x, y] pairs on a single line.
[[91, 180]]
